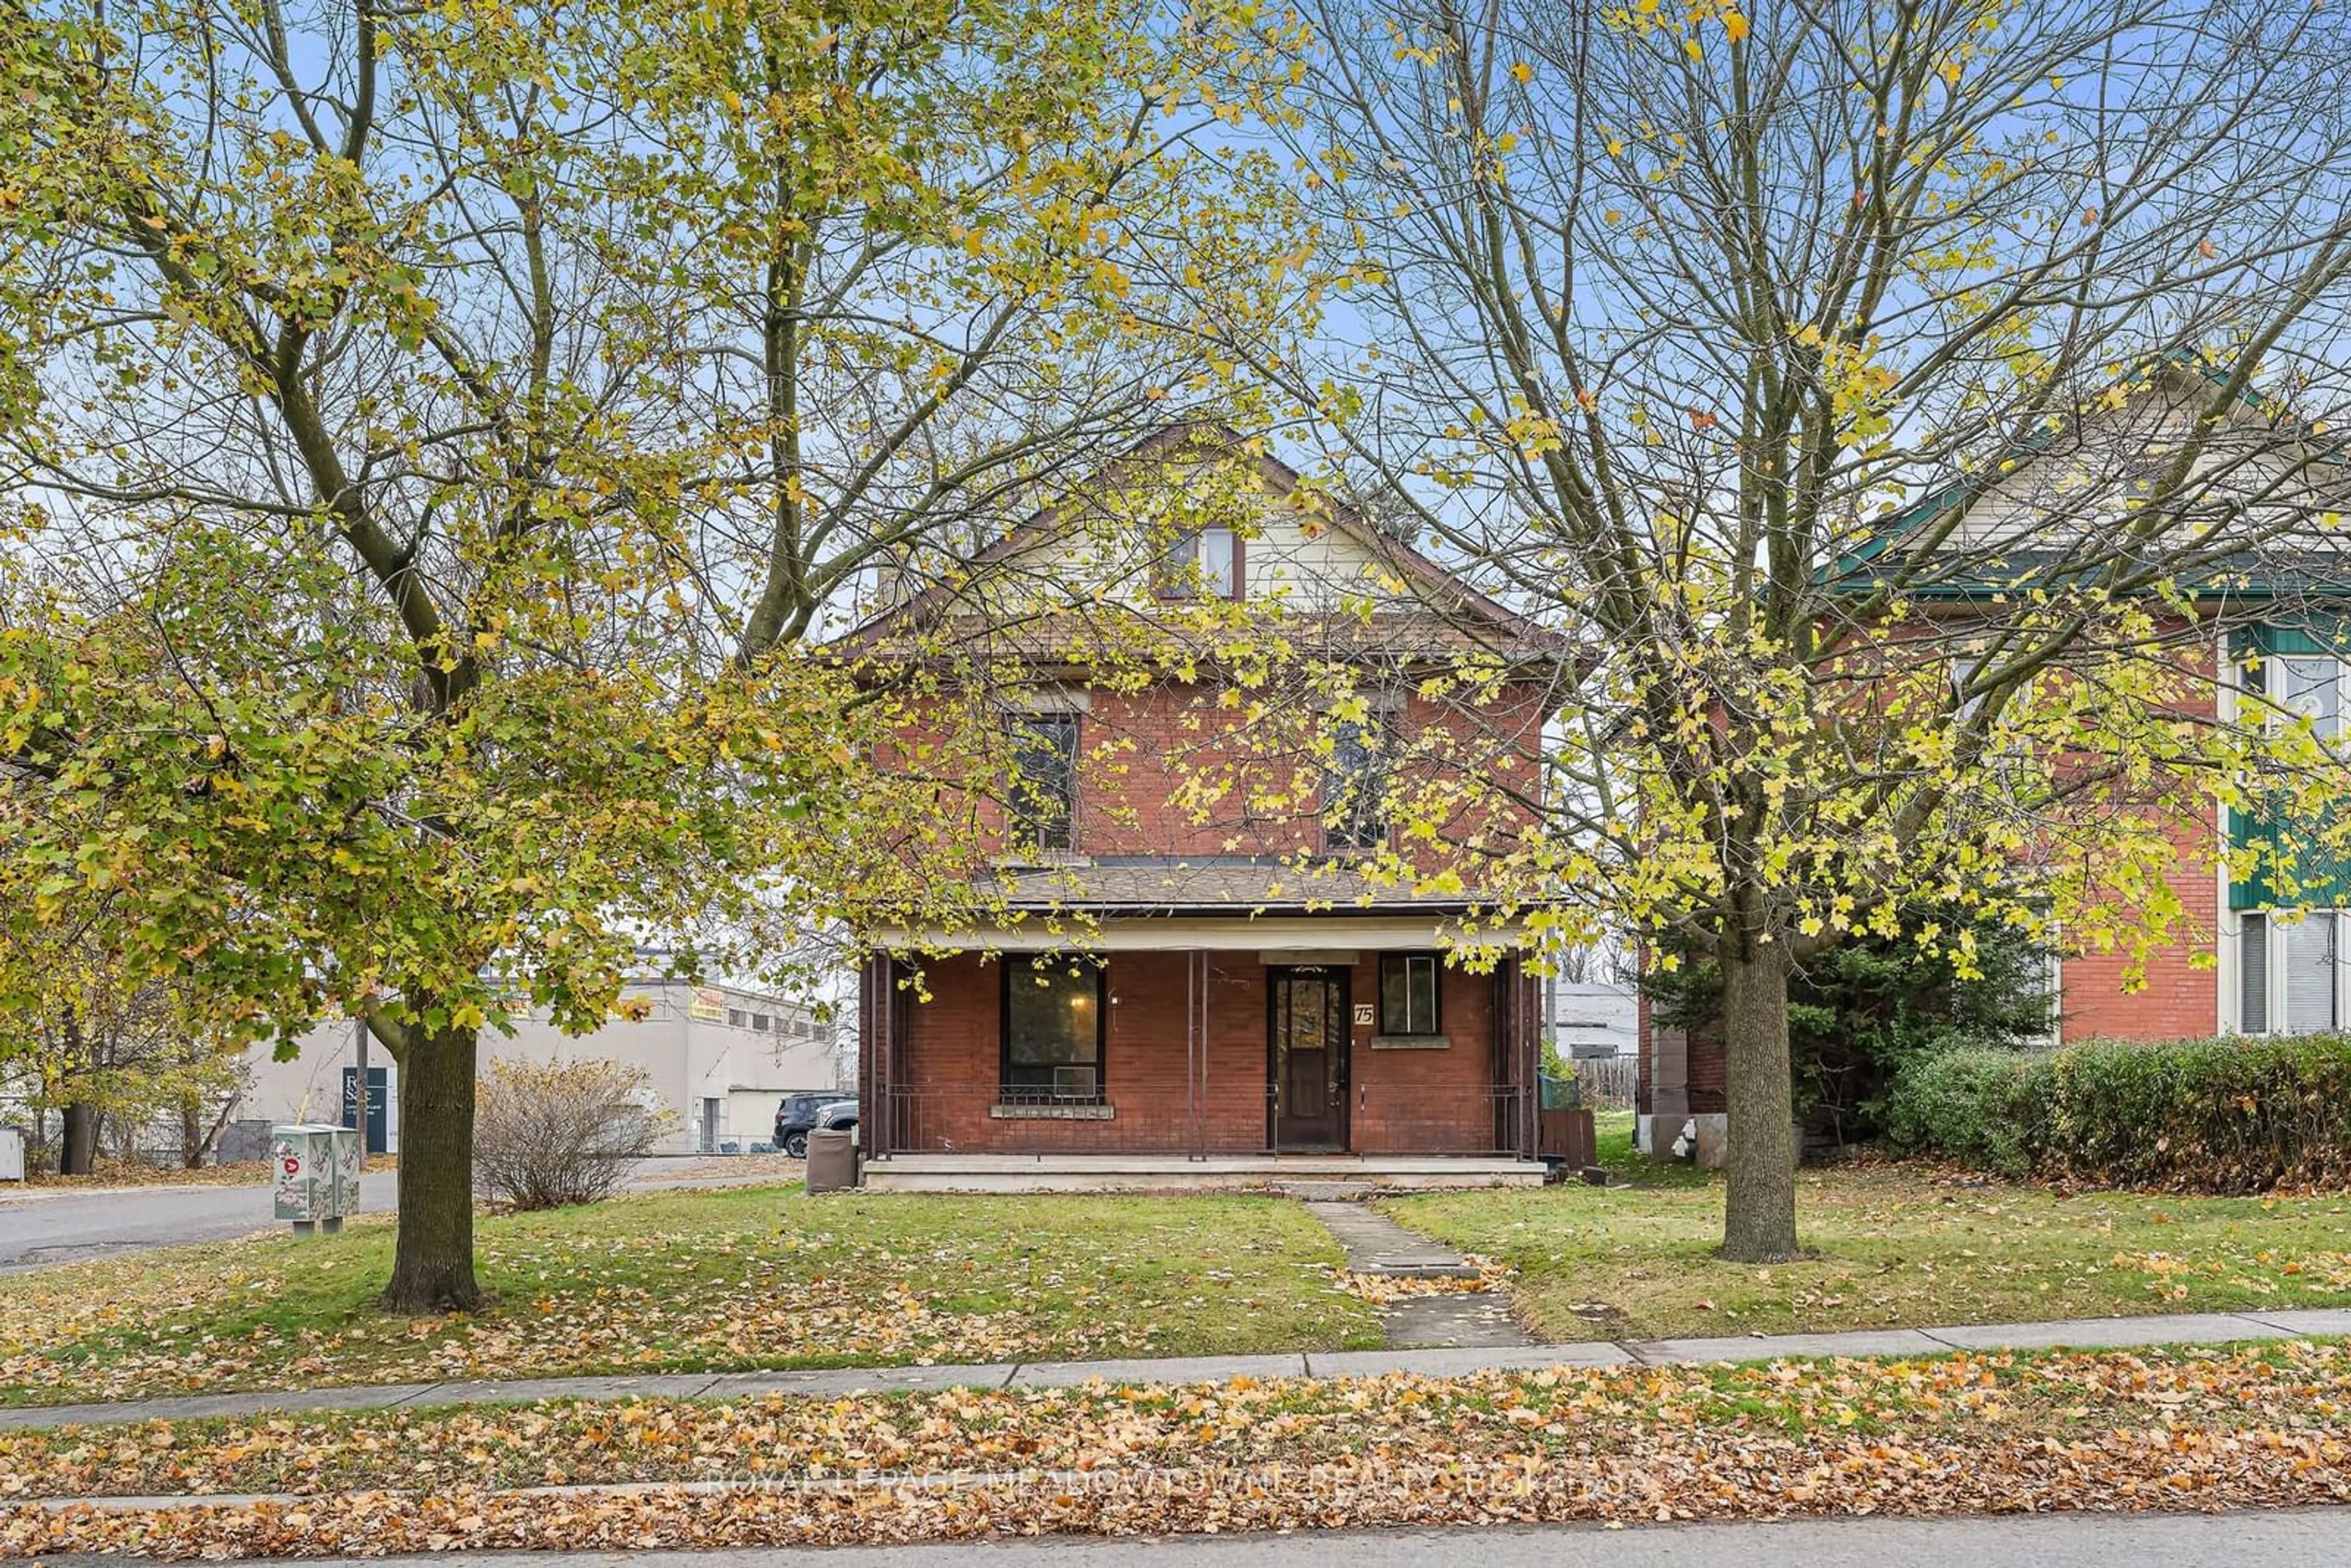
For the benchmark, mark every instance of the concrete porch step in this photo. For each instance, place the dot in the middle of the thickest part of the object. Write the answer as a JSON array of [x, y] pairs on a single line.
[[1368, 1174], [1329, 1191]]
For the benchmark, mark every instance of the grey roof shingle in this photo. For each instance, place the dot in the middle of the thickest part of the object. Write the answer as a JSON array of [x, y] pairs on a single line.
[[1174, 885]]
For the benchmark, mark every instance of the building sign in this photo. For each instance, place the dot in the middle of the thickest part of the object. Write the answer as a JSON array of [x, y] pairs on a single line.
[[707, 1003], [1365, 1015]]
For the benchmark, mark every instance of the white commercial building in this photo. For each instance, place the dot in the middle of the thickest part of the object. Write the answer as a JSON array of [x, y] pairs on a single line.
[[718, 1057]]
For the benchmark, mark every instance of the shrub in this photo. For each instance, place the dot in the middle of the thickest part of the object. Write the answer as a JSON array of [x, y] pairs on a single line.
[[1861, 1012], [2214, 1115], [551, 1133], [1981, 1107], [2224, 1115]]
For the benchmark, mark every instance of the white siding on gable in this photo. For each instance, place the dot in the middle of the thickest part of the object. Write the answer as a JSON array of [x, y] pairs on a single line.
[[1305, 562], [2086, 478], [1316, 569]]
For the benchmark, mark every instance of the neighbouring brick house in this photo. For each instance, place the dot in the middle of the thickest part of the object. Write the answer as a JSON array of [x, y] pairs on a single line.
[[2263, 632], [1175, 990]]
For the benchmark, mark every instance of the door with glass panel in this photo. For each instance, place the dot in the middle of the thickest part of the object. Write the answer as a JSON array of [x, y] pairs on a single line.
[[1306, 1060]]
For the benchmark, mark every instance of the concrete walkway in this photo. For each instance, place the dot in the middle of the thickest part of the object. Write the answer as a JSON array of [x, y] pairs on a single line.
[[1374, 1244], [1378, 1246], [2083, 1334]]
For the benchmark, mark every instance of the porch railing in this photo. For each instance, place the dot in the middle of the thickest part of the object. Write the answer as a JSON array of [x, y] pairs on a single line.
[[983, 1117]]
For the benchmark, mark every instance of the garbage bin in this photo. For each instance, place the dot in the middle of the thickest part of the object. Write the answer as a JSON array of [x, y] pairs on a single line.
[[1561, 1093], [832, 1160]]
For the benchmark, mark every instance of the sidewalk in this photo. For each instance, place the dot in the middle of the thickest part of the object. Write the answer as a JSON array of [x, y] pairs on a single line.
[[2081, 1334]]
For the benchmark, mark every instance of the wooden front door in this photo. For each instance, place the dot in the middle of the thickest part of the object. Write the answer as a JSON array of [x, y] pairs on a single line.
[[1306, 1067]]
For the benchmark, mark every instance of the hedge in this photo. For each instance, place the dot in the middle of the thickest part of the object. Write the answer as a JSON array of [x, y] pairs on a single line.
[[2224, 1115]]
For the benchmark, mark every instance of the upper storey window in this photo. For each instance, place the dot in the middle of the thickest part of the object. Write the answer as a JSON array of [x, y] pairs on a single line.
[[1203, 563], [1355, 785], [2304, 683], [1045, 778]]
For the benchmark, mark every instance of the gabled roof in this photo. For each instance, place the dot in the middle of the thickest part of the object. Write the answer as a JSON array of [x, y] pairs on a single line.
[[2240, 578], [1436, 591]]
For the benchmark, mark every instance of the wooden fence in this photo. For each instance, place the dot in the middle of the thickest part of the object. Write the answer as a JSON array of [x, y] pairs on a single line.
[[1607, 1081]]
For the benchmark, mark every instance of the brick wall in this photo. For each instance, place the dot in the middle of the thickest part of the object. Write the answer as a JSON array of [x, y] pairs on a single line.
[[1424, 1100], [1141, 752], [2176, 996], [1417, 1101]]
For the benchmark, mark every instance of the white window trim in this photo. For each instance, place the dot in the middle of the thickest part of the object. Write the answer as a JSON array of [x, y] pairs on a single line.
[[2227, 970], [2054, 1036], [2232, 997], [2274, 705]]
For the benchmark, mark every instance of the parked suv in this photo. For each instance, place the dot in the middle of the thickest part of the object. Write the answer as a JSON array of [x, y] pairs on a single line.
[[800, 1115]]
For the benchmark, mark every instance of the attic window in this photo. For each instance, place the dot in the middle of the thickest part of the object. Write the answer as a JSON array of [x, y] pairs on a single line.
[[1203, 563]]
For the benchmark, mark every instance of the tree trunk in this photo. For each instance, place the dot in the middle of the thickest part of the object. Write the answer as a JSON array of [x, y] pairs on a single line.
[[78, 1148], [1758, 1222], [77, 1135], [432, 1260], [200, 1136]]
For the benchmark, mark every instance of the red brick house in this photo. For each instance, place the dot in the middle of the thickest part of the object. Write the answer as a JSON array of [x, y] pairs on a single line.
[[1178, 987], [2266, 629]]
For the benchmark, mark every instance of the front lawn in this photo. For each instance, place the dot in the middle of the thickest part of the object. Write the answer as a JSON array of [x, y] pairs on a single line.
[[745, 1279], [1897, 1245]]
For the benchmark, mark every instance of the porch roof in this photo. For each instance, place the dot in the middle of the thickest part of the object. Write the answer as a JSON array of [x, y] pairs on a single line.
[[1159, 904], [1212, 884]]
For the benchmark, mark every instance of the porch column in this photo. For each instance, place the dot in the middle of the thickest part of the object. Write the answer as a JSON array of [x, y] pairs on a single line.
[[1529, 1024], [874, 1048], [1195, 1051]]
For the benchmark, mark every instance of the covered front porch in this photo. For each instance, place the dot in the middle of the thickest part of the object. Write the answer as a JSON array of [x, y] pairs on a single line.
[[1171, 1054], [911, 1172]]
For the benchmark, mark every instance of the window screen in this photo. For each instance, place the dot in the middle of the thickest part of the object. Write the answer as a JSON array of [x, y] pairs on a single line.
[[1053, 1031], [1408, 994], [2253, 973], [1200, 563], [1045, 778], [1354, 788], [2312, 690], [2306, 951]]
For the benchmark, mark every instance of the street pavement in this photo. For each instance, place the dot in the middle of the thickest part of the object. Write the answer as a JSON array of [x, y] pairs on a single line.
[[45, 1226], [42, 1227], [2298, 1539]]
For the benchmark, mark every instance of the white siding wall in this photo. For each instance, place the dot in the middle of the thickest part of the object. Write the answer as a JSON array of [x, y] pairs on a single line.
[[1307, 565], [687, 1060]]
